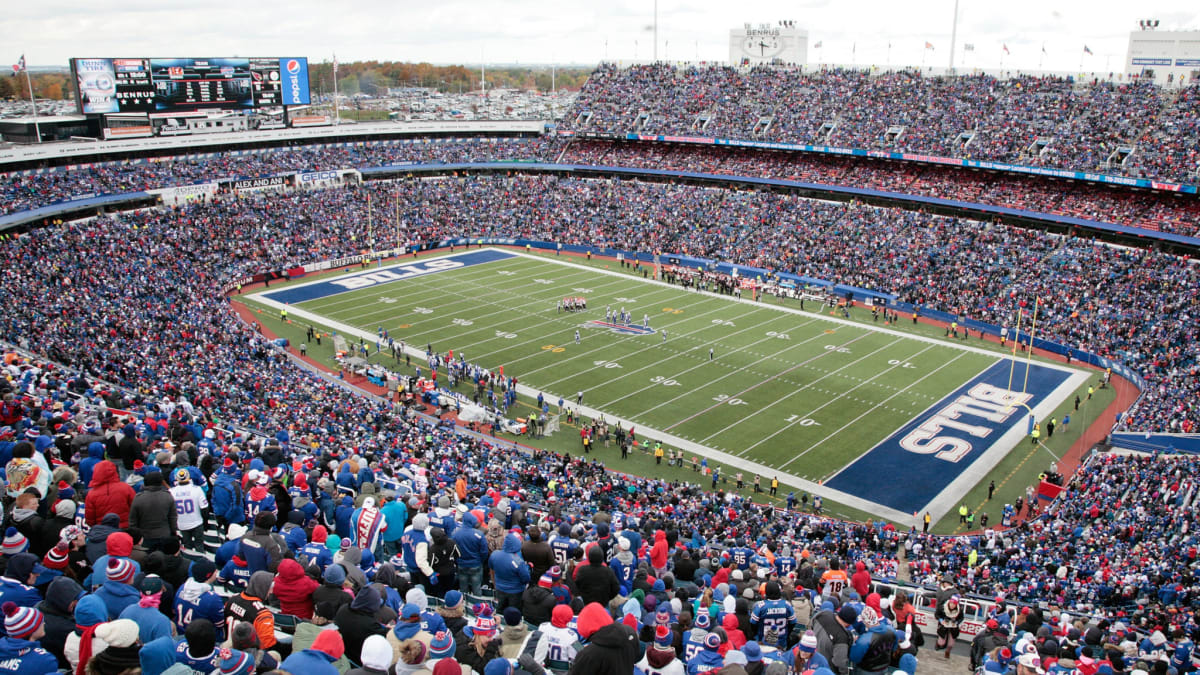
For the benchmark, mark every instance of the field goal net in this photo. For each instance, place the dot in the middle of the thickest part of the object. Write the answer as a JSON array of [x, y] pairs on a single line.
[[552, 424], [339, 345]]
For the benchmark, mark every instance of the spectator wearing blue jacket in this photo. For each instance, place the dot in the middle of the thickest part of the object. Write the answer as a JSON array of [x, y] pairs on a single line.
[[95, 451], [227, 496], [342, 517], [318, 659], [871, 653], [116, 591], [16, 584], [511, 573], [472, 554], [24, 626], [152, 623]]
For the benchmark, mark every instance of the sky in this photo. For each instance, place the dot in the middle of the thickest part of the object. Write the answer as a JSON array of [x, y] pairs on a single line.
[[468, 32]]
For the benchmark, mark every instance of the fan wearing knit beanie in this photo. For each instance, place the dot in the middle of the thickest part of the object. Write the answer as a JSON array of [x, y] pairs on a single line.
[[116, 591], [121, 655], [146, 612], [25, 626], [198, 650], [660, 655]]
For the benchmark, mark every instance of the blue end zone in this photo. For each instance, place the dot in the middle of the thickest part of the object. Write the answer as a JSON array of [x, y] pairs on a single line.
[[627, 329], [375, 276], [912, 466]]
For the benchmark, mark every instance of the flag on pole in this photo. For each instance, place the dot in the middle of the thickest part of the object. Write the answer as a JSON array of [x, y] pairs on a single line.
[[1086, 50], [19, 66], [335, 65], [1048, 492], [1006, 49], [928, 45]]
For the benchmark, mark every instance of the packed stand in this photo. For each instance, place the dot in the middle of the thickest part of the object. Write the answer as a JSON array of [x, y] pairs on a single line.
[[1082, 125]]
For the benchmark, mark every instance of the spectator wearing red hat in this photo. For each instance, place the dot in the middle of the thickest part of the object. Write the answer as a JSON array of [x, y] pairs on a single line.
[[477, 644], [318, 659], [612, 647]]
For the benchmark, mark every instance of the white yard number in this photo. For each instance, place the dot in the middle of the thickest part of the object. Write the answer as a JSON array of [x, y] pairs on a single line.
[[724, 398], [722, 322], [902, 364], [835, 348], [506, 336], [544, 282], [387, 301], [606, 364], [623, 299], [781, 336], [804, 422], [582, 290], [462, 322], [659, 379], [422, 310], [507, 273]]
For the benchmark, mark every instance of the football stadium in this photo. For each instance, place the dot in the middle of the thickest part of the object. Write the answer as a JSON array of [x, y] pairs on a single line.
[[669, 367]]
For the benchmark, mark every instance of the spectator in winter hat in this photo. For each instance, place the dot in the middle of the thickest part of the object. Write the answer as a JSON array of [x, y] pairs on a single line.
[[24, 627], [377, 658], [442, 646], [611, 646], [513, 634], [58, 612], [116, 591], [357, 621], [308, 631], [476, 645], [146, 612], [82, 642], [408, 627], [121, 654]]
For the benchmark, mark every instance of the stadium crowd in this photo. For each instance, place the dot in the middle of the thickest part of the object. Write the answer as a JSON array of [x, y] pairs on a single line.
[[1029, 120], [333, 515]]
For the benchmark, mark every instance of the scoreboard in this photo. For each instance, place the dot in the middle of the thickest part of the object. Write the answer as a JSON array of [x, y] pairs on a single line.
[[188, 84]]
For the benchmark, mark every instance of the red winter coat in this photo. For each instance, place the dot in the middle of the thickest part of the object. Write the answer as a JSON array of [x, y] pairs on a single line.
[[295, 589], [107, 494], [658, 553]]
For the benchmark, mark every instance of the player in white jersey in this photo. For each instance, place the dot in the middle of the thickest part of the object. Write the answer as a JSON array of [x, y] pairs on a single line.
[[190, 503]]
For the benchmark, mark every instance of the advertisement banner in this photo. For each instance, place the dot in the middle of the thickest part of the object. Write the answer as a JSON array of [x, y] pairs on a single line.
[[325, 179], [294, 73], [252, 184], [185, 193]]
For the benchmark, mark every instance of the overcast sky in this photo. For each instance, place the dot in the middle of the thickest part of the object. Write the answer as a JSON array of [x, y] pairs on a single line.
[[575, 31]]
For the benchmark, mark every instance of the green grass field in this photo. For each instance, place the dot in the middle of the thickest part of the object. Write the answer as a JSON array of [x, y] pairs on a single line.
[[788, 390]]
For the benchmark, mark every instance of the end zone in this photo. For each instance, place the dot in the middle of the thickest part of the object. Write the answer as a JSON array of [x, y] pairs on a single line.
[[943, 452], [315, 290]]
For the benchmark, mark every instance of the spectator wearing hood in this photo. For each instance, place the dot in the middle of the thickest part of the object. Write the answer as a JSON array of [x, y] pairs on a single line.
[[333, 587], [295, 589], [107, 493], [595, 581], [315, 554], [537, 552], [82, 642], [357, 621], [251, 606], [861, 579], [308, 631], [87, 466], [327, 649], [158, 658], [408, 627], [36, 529], [511, 573], [612, 647], [473, 552], [98, 536], [58, 611]]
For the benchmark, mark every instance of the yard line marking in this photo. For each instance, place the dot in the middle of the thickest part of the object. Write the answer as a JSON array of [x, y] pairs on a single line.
[[813, 383], [703, 363], [756, 386], [851, 422]]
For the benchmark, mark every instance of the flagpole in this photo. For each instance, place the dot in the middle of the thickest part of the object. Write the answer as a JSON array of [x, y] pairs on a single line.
[[337, 113], [37, 127], [953, 35]]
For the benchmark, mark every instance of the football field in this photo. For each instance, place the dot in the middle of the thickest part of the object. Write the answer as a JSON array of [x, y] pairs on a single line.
[[864, 413]]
